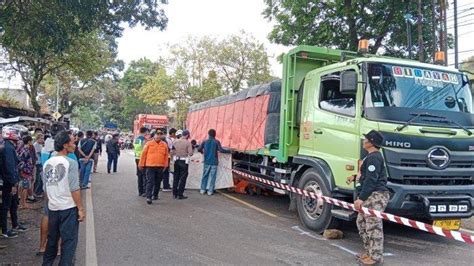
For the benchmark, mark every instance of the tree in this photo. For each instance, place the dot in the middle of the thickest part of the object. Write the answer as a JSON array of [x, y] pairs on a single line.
[[468, 67], [91, 59], [133, 79], [38, 35], [85, 118], [342, 23], [211, 88], [241, 61]]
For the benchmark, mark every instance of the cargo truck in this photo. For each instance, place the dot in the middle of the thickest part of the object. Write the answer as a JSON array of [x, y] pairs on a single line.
[[307, 130]]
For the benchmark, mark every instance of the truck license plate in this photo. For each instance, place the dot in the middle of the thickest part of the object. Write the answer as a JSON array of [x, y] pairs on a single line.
[[448, 224]]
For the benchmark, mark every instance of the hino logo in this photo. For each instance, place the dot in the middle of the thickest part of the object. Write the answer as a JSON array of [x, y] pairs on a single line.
[[398, 144], [438, 158]]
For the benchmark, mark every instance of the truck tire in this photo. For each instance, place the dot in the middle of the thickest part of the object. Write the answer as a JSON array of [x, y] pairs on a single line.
[[314, 214]]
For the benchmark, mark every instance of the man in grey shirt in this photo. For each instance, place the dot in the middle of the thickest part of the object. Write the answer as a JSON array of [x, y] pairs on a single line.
[[61, 185]]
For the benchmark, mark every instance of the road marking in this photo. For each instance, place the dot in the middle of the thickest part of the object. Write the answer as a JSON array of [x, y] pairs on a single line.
[[306, 233], [91, 250], [248, 204], [344, 248]]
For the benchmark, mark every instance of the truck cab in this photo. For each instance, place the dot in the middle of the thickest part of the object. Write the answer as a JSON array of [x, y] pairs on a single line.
[[424, 112]]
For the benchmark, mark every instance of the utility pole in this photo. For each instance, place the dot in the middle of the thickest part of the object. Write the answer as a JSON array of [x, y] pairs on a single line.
[[443, 40], [456, 59], [57, 94], [433, 28], [421, 47], [445, 31], [408, 18]]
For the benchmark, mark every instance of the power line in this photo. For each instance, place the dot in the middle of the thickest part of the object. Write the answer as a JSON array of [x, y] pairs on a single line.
[[463, 5], [462, 25], [465, 51], [464, 16], [461, 11], [467, 32]]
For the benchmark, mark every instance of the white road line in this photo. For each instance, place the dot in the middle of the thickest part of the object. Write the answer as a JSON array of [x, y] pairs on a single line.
[[306, 233], [248, 204], [344, 248], [91, 250]]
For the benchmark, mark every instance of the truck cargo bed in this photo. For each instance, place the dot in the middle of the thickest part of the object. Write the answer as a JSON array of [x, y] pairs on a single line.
[[245, 121]]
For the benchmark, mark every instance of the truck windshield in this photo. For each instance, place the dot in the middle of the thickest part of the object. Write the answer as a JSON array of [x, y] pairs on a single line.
[[394, 92]]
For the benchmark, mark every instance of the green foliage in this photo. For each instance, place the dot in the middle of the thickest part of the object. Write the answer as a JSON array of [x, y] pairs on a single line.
[[342, 23], [85, 118], [7, 101], [90, 59], [468, 66], [39, 36]]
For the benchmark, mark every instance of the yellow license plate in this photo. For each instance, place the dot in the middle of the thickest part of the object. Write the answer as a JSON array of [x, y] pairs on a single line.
[[448, 224]]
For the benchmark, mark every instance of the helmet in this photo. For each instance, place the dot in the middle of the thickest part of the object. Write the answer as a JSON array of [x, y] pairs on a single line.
[[179, 132], [11, 133]]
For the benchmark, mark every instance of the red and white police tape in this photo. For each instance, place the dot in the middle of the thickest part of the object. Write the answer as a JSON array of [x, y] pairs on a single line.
[[387, 216]]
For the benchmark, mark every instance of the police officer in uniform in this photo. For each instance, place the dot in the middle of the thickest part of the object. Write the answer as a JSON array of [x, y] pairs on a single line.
[[372, 194]]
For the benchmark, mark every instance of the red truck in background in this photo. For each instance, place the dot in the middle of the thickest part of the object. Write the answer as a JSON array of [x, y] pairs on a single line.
[[149, 121]]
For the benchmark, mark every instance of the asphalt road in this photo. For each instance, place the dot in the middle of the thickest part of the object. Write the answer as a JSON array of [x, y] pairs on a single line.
[[219, 230]]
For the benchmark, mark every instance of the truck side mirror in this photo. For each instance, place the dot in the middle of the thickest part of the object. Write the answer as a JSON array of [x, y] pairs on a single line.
[[348, 82]]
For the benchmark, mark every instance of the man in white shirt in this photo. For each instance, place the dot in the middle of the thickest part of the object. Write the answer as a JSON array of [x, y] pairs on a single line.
[[61, 185]]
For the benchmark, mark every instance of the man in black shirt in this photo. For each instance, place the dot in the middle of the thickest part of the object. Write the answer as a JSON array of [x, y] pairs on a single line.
[[372, 194], [98, 150]]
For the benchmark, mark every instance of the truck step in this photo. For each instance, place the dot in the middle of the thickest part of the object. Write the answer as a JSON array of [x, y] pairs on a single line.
[[343, 214]]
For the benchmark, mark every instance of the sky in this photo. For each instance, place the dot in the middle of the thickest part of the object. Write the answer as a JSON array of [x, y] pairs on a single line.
[[220, 18]]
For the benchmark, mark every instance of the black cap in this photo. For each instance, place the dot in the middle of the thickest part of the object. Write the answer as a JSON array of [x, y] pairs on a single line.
[[375, 137]]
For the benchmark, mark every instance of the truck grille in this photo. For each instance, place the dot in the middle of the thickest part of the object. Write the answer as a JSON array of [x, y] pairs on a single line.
[[410, 167], [422, 163]]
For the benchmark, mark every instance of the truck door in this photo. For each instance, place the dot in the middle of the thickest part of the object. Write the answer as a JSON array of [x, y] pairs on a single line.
[[335, 129]]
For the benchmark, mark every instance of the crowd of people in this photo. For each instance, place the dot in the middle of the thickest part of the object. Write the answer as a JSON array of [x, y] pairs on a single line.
[[155, 150], [50, 164], [56, 164]]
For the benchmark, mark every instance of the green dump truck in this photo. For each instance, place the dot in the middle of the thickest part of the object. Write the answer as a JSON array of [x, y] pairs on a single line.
[[307, 131]]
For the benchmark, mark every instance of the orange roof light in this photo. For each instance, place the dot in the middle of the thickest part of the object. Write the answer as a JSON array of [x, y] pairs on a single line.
[[363, 46], [440, 58]]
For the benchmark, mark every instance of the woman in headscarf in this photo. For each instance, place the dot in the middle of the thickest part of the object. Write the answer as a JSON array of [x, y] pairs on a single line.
[[26, 169]]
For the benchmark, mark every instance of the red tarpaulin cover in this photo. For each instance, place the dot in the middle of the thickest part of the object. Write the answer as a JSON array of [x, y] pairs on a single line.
[[239, 125]]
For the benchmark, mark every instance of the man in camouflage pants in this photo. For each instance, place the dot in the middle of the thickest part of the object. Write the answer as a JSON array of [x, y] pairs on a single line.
[[373, 194]]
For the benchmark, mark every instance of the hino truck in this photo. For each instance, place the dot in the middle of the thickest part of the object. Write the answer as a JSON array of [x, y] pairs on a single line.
[[307, 131]]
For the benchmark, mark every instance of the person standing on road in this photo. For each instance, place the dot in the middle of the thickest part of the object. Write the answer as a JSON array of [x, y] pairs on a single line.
[[113, 151], [98, 150], [26, 168], [210, 147], [154, 160], [138, 145], [181, 153], [62, 188], [86, 150], [39, 143], [372, 194], [9, 172], [166, 173]]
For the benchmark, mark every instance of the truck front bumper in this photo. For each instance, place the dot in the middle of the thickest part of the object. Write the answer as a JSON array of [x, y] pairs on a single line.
[[431, 202]]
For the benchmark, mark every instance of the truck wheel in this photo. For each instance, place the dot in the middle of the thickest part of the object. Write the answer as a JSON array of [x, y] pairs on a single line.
[[314, 214]]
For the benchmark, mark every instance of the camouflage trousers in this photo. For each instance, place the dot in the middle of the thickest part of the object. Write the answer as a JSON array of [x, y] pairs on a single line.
[[371, 227]]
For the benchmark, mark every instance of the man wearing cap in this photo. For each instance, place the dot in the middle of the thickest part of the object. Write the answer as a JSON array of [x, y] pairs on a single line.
[[154, 160], [181, 152], [372, 194]]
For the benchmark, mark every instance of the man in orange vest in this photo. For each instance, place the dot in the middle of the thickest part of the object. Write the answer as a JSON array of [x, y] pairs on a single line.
[[153, 161]]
